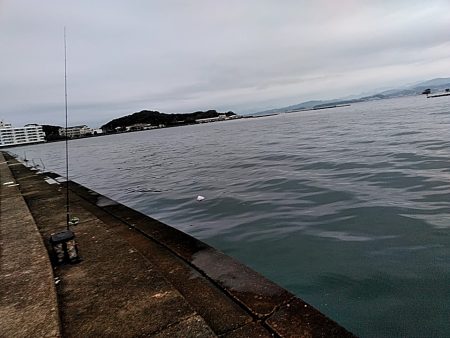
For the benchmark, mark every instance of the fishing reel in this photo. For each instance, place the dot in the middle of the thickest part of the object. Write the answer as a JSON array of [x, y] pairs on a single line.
[[73, 221]]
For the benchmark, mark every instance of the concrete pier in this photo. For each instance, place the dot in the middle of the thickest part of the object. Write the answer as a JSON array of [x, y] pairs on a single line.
[[28, 303], [140, 277]]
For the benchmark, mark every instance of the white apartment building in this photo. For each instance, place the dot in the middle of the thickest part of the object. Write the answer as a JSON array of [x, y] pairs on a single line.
[[10, 136], [76, 131]]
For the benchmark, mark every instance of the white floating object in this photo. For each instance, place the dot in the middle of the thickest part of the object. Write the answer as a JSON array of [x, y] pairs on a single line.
[[8, 183], [200, 198]]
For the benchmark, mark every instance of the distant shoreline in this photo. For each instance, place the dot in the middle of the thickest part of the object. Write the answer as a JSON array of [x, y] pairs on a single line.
[[131, 131], [438, 95], [319, 108]]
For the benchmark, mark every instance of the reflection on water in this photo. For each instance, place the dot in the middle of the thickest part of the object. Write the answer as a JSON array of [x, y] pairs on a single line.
[[348, 208]]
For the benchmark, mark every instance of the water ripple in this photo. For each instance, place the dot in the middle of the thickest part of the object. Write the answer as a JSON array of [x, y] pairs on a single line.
[[348, 207]]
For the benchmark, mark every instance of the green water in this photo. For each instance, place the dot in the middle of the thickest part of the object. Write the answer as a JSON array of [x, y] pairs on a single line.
[[348, 208]]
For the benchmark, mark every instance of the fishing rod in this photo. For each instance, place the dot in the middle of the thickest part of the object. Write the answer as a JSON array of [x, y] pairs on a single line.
[[69, 220], [66, 134], [64, 245]]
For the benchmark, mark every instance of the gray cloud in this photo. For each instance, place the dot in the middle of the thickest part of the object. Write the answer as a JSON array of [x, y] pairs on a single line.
[[180, 56]]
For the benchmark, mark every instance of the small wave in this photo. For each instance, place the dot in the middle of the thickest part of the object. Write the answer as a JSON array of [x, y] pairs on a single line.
[[405, 133], [345, 236], [401, 250]]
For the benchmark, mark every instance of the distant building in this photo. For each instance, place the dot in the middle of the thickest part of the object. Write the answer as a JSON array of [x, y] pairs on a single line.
[[221, 117], [97, 131], [140, 126], [10, 136], [76, 131]]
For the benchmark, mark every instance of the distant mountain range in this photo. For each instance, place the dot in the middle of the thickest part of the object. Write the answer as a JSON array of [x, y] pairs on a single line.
[[435, 85]]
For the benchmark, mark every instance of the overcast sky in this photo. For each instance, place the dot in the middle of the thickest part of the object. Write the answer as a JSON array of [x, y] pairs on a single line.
[[182, 56]]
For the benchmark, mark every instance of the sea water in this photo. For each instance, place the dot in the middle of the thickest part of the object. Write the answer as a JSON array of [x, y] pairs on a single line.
[[348, 208]]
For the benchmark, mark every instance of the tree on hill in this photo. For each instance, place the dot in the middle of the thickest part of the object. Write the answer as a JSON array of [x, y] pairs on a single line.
[[156, 118], [52, 132]]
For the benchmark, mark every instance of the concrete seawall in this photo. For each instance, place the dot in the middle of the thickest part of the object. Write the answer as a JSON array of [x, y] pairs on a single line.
[[140, 277]]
